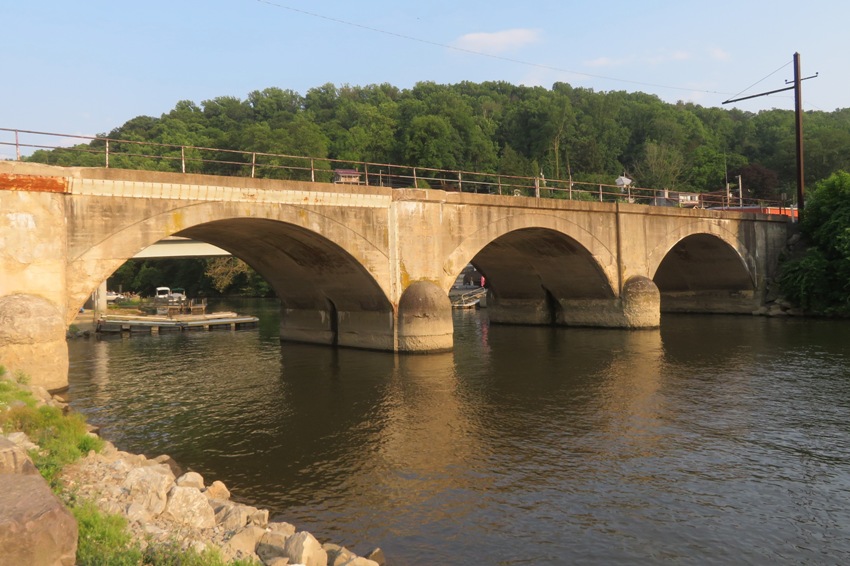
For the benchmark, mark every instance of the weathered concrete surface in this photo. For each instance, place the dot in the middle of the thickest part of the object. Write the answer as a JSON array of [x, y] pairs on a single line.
[[32, 340], [366, 266], [33, 238], [425, 319], [641, 303]]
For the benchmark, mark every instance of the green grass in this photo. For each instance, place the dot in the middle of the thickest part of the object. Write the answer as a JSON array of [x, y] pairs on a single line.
[[63, 439], [11, 394], [104, 539]]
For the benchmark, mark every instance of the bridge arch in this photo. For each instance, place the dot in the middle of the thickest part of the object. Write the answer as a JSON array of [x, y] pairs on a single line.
[[539, 269], [564, 235], [705, 271], [331, 280]]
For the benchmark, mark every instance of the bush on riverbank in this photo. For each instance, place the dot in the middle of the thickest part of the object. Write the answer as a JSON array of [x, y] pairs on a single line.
[[819, 279]]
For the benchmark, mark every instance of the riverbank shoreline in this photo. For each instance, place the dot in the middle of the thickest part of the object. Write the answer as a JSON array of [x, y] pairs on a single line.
[[163, 505]]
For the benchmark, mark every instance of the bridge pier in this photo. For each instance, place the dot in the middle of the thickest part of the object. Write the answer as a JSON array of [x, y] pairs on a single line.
[[425, 321], [33, 283], [312, 326], [370, 330], [423, 324], [716, 302], [639, 306]]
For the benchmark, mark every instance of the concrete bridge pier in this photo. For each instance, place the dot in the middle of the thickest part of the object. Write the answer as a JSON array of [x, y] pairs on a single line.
[[421, 323], [32, 285], [312, 326], [329, 326], [743, 301], [370, 330], [638, 306], [424, 320]]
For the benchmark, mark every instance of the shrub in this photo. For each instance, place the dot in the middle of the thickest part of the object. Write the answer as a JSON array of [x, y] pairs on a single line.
[[820, 280]]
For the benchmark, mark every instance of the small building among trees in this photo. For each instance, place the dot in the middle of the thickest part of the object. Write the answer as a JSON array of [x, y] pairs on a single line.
[[350, 176]]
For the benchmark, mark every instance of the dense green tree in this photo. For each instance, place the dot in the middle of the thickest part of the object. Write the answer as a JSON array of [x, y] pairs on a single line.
[[147, 280], [820, 279], [660, 167], [758, 181], [708, 168], [487, 127]]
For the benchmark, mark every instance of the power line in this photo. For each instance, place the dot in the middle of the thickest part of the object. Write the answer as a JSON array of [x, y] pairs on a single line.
[[480, 53], [736, 95]]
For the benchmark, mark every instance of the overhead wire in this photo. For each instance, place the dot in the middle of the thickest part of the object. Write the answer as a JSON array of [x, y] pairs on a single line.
[[736, 95], [483, 54]]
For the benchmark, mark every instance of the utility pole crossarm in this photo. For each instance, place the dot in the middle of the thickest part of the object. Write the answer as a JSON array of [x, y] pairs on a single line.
[[798, 114]]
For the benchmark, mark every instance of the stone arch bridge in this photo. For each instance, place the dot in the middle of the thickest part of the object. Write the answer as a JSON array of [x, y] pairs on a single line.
[[368, 267]]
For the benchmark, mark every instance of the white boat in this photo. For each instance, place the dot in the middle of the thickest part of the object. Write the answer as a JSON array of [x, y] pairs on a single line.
[[112, 296], [167, 295]]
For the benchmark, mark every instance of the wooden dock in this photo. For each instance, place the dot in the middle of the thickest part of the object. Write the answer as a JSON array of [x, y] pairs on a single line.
[[116, 323]]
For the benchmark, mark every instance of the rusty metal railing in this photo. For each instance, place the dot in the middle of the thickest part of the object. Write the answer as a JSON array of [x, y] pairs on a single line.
[[97, 151]]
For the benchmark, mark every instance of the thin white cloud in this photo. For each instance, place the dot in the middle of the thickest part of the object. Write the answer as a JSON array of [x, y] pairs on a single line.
[[499, 41], [719, 54]]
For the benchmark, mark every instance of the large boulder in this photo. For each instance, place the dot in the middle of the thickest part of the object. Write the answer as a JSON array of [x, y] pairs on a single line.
[[149, 487], [191, 479], [217, 490], [35, 528], [243, 543], [272, 545], [303, 548], [188, 506], [14, 460]]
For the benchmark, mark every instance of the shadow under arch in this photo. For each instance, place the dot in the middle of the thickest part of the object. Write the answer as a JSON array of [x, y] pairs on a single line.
[[540, 276], [704, 273], [95, 256], [327, 296]]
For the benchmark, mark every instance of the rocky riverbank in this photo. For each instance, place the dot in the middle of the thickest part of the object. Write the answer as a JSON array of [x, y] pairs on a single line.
[[164, 505]]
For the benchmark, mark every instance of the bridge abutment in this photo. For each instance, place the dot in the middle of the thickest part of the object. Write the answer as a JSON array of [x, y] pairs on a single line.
[[33, 244]]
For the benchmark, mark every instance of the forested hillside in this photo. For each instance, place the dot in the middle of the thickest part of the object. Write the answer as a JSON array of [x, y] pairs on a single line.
[[502, 128]]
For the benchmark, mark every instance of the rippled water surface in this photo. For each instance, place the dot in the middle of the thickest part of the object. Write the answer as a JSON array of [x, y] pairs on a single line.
[[714, 440]]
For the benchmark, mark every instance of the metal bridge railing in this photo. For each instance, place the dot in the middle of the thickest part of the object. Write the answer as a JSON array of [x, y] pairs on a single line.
[[96, 151]]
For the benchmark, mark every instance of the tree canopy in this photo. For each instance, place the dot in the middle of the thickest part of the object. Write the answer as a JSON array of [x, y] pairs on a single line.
[[819, 281], [492, 127]]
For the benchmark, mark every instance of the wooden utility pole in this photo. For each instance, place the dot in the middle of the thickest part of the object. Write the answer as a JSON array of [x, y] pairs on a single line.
[[798, 113]]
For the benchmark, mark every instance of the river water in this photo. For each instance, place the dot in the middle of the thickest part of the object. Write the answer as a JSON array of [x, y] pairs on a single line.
[[718, 439]]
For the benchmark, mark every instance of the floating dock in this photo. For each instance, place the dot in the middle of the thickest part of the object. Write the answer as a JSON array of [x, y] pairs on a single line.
[[115, 323]]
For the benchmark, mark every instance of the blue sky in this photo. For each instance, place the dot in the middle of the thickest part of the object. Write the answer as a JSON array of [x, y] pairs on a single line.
[[85, 67]]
